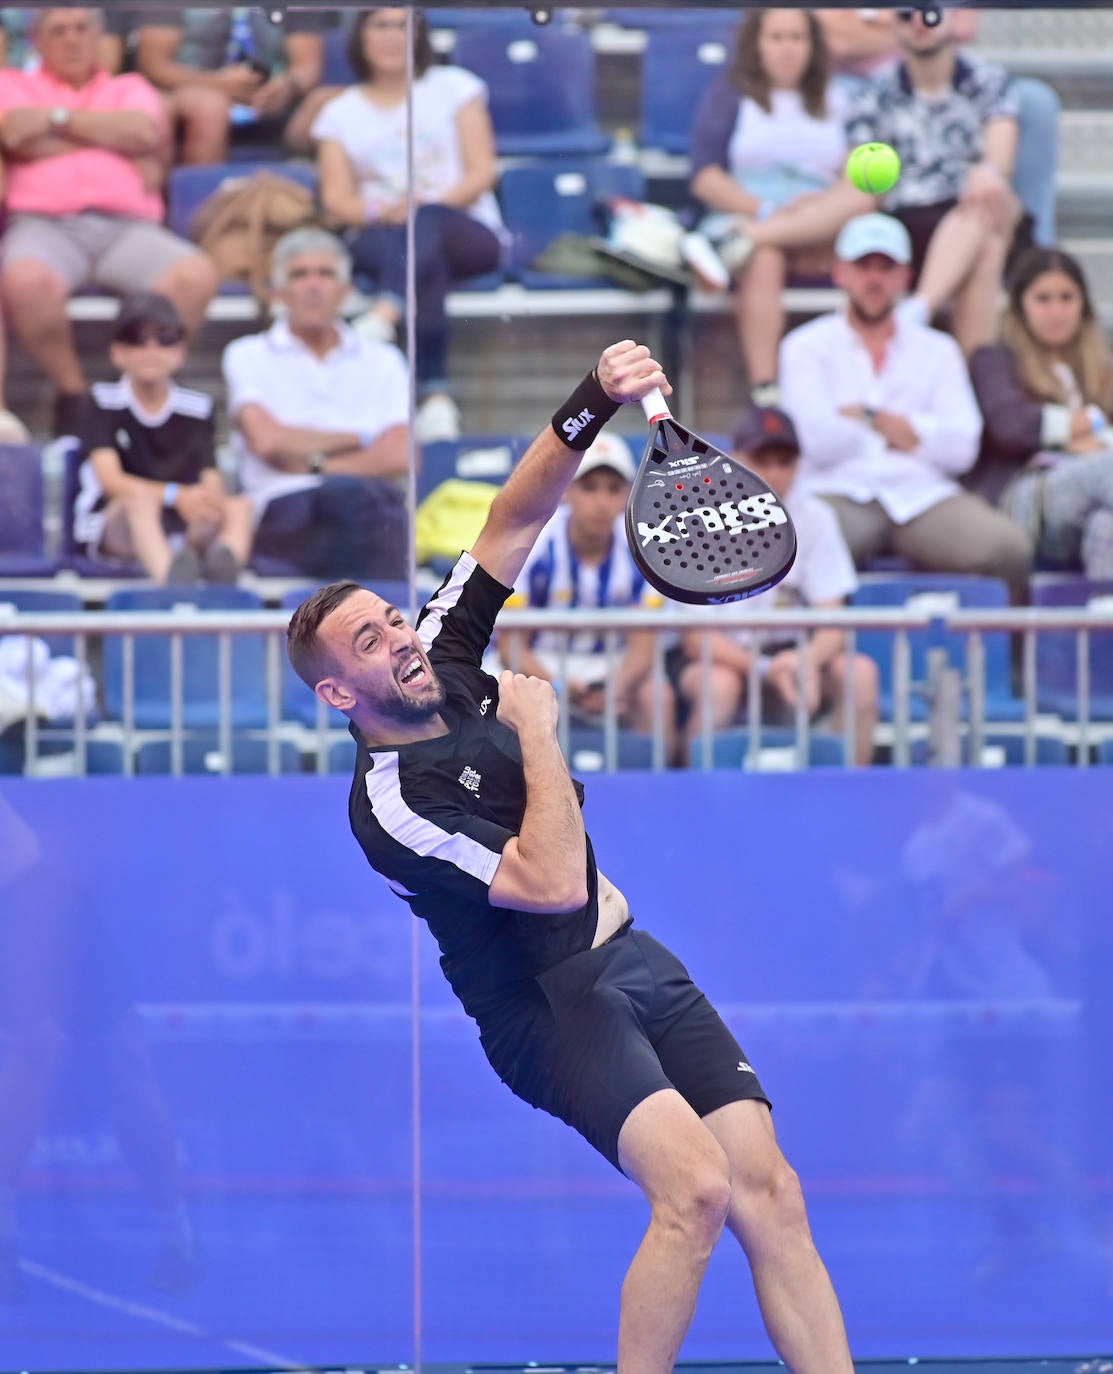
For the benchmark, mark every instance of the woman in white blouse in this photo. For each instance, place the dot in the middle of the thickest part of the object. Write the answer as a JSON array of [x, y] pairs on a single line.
[[768, 156], [361, 142]]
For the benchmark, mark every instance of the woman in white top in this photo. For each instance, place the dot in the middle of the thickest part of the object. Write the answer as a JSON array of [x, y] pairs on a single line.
[[361, 154], [768, 156]]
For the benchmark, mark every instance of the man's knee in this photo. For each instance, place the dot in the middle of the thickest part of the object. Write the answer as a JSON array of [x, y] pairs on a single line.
[[770, 1201], [32, 282], [192, 277], [697, 1201], [1005, 551]]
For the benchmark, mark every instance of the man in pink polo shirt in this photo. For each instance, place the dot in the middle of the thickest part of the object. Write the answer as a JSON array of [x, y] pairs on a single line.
[[84, 154]]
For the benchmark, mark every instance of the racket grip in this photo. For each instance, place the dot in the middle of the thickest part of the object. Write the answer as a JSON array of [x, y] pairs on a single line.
[[655, 406]]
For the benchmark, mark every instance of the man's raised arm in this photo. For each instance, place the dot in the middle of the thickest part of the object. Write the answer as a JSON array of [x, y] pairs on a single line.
[[625, 372]]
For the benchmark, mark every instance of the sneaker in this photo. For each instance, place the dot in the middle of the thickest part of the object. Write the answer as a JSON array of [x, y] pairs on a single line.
[[765, 394], [438, 417], [185, 569], [707, 266], [376, 326], [12, 429], [220, 564], [734, 248]]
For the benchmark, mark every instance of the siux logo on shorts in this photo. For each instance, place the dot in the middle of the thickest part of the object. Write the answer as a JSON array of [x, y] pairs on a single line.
[[725, 516]]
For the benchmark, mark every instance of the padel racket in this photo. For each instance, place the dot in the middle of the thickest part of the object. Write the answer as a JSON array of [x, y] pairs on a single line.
[[701, 527]]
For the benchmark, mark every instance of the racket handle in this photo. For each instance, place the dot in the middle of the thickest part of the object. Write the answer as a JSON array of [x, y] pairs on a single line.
[[655, 406]]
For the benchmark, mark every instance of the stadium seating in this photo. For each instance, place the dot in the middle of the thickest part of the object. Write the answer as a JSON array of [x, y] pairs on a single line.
[[545, 199], [477, 458], [776, 749], [677, 66], [200, 662], [926, 591], [22, 547], [32, 600], [1057, 653], [188, 188], [587, 750], [541, 88], [203, 754], [1000, 750]]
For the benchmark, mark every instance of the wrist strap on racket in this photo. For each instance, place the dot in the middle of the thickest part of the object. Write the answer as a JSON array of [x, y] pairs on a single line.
[[580, 419]]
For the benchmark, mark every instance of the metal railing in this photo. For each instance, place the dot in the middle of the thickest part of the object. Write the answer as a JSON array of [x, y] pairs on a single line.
[[955, 694]]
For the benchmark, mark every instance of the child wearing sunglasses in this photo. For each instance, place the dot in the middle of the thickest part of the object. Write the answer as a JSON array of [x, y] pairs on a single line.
[[149, 490]]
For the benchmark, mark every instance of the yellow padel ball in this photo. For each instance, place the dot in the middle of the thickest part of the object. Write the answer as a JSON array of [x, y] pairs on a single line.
[[874, 167]]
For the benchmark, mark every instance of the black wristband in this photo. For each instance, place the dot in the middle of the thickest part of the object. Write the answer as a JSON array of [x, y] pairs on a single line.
[[579, 420]]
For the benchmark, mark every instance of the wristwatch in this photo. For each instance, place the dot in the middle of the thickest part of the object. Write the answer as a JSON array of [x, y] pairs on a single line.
[[316, 463], [869, 414], [59, 117]]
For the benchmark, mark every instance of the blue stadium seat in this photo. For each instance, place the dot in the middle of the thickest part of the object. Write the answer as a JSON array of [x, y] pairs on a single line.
[[482, 18], [30, 600], [1057, 653], [677, 66], [477, 458], [671, 17], [298, 702], [1105, 751], [541, 88], [970, 592], [72, 554], [336, 70], [200, 662], [1051, 751], [202, 754], [553, 197], [22, 548], [729, 748], [587, 750], [188, 187]]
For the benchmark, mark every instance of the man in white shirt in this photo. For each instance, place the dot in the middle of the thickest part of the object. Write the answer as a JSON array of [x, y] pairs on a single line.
[[320, 420], [823, 575], [887, 421]]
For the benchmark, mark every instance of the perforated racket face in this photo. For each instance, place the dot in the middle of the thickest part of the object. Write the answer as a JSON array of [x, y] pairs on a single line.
[[701, 527]]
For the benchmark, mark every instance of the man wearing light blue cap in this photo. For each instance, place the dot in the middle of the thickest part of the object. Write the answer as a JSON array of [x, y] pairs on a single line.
[[888, 421]]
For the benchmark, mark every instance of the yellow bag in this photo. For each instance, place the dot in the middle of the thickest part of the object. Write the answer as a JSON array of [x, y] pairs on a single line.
[[450, 518]]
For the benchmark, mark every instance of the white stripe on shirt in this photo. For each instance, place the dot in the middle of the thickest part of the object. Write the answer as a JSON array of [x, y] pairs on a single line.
[[418, 835]]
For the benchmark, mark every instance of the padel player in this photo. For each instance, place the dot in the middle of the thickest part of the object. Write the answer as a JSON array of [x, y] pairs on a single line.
[[462, 800]]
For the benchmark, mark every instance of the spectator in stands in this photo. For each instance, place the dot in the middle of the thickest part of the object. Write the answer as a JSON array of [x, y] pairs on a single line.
[[320, 420], [887, 421], [149, 488], [1046, 392], [234, 74], [12, 428], [953, 120], [362, 163], [17, 47], [85, 159], [768, 153], [823, 576], [863, 42], [581, 560]]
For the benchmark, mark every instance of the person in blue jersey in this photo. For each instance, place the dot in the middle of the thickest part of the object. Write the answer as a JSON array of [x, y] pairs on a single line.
[[461, 799]]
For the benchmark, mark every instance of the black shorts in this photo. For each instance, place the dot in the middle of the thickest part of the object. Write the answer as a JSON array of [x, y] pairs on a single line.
[[602, 1031], [921, 221]]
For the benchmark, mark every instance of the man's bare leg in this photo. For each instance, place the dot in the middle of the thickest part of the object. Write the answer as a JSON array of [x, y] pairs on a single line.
[[683, 1172], [797, 1301]]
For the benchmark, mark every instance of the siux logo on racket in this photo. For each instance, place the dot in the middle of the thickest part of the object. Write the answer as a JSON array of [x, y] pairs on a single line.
[[723, 517]]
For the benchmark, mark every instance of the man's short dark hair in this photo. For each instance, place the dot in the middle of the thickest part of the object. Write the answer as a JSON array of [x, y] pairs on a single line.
[[302, 646]]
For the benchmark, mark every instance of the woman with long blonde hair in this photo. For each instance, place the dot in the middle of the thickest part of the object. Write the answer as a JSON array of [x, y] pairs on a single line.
[[1046, 392]]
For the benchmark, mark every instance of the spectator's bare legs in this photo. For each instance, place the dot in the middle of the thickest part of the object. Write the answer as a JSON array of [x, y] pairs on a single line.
[[758, 311], [133, 529], [811, 219], [715, 693], [648, 697], [965, 264], [35, 304], [237, 528], [191, 283], [203, 114], [836, 675], [767, 1215]]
